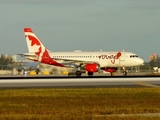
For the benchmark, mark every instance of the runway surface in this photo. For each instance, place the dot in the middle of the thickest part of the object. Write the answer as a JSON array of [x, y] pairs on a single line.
[[84, 81]]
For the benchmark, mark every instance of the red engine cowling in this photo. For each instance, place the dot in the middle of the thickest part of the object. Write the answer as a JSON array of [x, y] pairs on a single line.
[[111, 70], [92, 67]]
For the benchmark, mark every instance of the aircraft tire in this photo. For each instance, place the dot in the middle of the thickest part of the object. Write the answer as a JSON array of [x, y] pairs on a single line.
[[37, 71], [124, 73], [90, 73], [78, 73]]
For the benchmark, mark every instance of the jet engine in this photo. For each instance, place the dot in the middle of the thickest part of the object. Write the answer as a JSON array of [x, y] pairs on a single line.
[[92, 67]]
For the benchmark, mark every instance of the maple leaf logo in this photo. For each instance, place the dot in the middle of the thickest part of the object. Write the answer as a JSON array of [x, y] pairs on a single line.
[[34, 44]]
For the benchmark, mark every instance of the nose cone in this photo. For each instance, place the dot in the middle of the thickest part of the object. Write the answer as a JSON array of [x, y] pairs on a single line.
[[139, 61]]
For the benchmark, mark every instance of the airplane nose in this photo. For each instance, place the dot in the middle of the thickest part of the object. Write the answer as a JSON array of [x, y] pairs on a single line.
[[139, 61]]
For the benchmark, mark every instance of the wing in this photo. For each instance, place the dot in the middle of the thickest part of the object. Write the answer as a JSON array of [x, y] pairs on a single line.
[[73, 63]]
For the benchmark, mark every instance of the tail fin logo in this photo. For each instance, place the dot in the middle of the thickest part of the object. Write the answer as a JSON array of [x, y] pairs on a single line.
[[33, 40], [34, 45]]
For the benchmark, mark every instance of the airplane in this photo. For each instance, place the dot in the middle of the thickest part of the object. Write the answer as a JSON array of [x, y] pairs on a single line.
[[90, 62]]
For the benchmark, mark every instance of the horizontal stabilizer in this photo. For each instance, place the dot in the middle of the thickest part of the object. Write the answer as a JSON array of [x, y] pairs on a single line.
[[27, 55]]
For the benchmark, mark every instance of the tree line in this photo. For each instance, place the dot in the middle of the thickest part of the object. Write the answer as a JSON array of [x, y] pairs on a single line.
[[6, 61], [154, 60]]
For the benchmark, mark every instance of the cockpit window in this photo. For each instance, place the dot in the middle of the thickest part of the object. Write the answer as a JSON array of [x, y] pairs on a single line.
[[132, 56]]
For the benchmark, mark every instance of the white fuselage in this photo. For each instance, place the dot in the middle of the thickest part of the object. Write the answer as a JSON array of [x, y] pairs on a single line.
[[104, 59]]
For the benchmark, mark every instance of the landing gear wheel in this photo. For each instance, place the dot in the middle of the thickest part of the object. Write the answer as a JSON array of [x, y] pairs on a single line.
[[124, 73], [78, 73], [90, 73], [37, 71], [19, 71]]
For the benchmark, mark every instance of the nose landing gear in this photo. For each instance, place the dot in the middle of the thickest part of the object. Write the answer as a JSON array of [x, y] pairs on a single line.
[[124, 73]]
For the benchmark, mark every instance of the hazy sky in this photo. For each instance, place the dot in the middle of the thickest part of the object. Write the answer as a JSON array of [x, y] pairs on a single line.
[[66, 25]]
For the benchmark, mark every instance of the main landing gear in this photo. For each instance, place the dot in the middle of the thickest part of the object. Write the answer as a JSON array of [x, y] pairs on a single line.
[[79, 73], [90, 73]]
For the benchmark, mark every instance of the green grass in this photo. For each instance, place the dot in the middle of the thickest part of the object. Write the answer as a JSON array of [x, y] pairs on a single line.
[[79, 103]]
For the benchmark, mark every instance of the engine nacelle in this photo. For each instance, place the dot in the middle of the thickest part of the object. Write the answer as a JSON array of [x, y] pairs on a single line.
[[111, 70], [90, 67]]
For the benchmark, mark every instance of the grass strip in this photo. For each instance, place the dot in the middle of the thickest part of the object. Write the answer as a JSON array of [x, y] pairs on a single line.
[[79, 103]]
